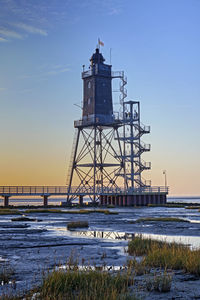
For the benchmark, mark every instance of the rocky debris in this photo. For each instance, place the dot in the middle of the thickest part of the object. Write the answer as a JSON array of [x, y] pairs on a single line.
[[25, 219]]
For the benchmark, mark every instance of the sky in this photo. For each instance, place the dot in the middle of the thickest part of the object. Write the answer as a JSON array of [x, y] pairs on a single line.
[[43, 45]]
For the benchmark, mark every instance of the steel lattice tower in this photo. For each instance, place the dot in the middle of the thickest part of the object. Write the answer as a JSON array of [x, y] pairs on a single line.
[[95, 162], [106, 152]]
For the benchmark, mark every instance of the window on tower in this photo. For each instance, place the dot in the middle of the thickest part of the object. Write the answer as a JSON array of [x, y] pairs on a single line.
[[89, 84]]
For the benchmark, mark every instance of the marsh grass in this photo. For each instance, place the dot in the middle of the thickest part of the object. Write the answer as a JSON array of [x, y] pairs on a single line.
[[192, 207], [84, 282], [161, 282], [84, 285], [9, 211], [81, 211], [139, 246], [160, 219], [6, 273], [166, 255], [40, 210], [138, 268], [77, 224], [167, 205]]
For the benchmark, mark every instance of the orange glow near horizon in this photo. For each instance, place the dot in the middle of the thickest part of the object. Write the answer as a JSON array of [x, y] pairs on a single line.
[[48, 169]]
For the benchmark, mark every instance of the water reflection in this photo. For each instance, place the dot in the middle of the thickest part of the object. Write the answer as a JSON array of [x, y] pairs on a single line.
[[97, 267], [192, 241], [113, 235]]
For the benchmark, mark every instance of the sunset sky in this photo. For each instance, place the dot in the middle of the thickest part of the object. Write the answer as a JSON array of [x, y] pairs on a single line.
[[43, 45]]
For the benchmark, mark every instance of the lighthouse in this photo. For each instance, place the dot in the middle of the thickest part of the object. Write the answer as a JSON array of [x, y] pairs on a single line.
[[97, 92]]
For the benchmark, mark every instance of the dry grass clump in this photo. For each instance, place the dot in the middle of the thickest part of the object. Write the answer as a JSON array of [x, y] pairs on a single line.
[[167, 205], [6, 273], [81, 211], [166, 255], [138, 268], [40, 210], [160, 283], [192, 207], [108, 212], [84, 285], [139, 246], [9, 211], [77, 224], [161, 219], [100, 211]]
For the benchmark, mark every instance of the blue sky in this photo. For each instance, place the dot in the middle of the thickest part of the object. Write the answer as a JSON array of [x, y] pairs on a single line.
[[43, 45]]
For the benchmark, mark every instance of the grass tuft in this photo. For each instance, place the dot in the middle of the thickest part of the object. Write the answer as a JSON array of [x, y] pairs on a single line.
[[6, 273], [192, 207], [77, 224], [9, 211], [167, 205], [165, 255], [161, 219], [81, 211], [160, 283], [84, 285], [40, 210]]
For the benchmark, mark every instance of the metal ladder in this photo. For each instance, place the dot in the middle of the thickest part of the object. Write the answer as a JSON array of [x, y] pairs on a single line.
[[70, 166]]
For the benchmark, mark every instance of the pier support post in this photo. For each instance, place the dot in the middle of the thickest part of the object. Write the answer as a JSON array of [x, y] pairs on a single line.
[[101, 200], [129, 200], [164, 199], [117, 200], [80, 200], [139, 200], [134, 201], [6, 201], [114, 200], [120, 200], [148, 200], [45, 200], [124, 200], [154, 199]]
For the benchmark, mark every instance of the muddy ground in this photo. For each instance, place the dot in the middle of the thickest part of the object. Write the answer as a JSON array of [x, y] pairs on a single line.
[[30, 248]]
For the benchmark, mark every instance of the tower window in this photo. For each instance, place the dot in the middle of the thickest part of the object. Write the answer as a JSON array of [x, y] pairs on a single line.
[[89, 85], [88, 101]]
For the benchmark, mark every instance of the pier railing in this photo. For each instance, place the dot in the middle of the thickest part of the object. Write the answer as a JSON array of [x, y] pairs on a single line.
[[64, 190]]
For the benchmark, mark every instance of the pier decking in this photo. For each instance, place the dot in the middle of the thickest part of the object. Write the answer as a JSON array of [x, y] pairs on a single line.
[[107, 196]]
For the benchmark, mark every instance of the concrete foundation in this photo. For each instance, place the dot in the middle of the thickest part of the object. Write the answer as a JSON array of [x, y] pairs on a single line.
[[45, 200], [133, 200], [6, 201], [80, 200]]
